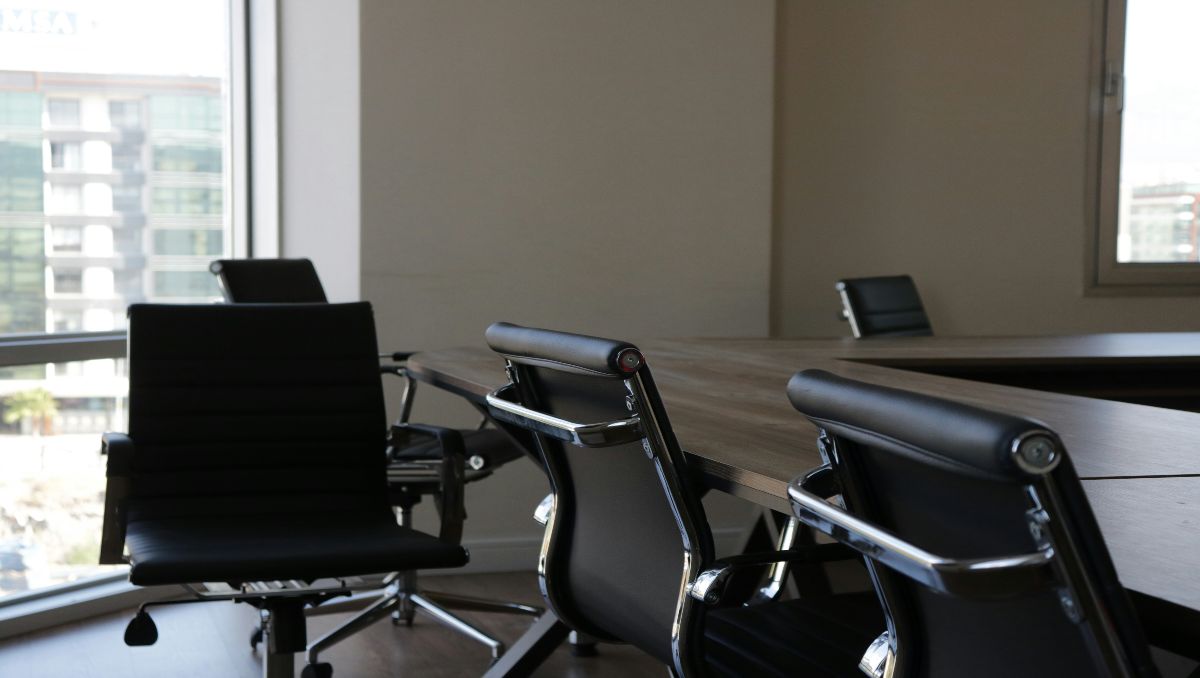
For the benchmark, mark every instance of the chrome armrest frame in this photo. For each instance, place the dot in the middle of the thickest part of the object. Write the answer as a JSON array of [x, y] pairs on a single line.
[[1002, 576], [545, 507], [709, 585], [600, 434]]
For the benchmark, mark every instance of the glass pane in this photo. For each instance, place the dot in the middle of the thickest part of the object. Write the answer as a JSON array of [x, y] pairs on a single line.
[[186, 242], [185, 284], [1159, 218], [52, 488], [102, 147]]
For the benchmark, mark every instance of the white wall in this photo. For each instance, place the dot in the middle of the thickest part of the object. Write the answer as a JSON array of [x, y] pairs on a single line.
[[597, 167], [319, 140], [946, 139]]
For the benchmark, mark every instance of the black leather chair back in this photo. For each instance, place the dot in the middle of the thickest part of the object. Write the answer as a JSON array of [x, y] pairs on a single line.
[[886, 306], [627, 530], [268, 281], [255, 408], [965, 483]]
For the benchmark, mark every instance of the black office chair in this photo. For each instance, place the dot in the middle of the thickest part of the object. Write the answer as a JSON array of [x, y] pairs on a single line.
[[414, 468], [981, 541], [283, 281], [269, 281], [886, 306], [239, 467], [628, 554]]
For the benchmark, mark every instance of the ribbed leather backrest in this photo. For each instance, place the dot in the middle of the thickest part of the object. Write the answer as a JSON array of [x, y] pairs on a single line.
[[616, 563], [940, 475], [267, 281], [269, 408], [885, 306]]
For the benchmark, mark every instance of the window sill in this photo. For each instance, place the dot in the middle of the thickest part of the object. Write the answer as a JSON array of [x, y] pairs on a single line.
[[72, 602], [1155, 290]]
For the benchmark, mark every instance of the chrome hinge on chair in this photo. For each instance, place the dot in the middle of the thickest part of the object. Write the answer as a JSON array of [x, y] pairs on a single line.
[[879, 658]]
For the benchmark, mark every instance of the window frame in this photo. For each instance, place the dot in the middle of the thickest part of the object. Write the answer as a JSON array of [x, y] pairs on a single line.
[[1105, 276]]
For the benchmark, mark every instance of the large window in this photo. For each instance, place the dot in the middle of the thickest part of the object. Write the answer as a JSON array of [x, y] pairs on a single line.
[[116, 182], [52, 488], [1148, 197]]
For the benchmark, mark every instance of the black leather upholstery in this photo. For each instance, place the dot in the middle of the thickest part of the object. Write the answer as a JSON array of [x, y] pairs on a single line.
[[885, 306], [818, 638], [258, 435], [614, 570], [296, 281], [262, 281], [492, 445], [576, 353], [957, 436], [268, 547], [933, 473], [622, 524]]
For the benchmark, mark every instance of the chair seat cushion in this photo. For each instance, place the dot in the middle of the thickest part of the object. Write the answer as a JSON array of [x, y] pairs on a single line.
[[811, 638], [304, 546], [493, 445]]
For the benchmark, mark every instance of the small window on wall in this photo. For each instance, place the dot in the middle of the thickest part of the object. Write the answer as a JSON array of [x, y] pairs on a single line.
[[66, 155], [185, 201], [66, 239], [189, 242], [65, 199], [187, 158], [68, 321], [127, 199], [125, 114], [68, 282], [1148, 176], [63, 112]]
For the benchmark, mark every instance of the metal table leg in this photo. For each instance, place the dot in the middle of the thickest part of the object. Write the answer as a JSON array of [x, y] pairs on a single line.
[[538, 643]]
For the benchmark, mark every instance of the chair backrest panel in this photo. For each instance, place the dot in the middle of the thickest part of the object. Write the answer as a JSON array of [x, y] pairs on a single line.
[[241, 402], [943, 476], [962, 516], [885, 306], [284, 281], [620, 543], [615, 564]]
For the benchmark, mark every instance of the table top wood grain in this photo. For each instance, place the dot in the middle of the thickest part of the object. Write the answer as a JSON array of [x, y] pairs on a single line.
[[727, 404]]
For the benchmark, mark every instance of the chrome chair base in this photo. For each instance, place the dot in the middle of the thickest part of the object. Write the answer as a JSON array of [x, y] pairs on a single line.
[[401, 601]]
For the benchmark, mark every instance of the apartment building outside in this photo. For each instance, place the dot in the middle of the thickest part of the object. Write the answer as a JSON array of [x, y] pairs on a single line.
[[1160, 222]]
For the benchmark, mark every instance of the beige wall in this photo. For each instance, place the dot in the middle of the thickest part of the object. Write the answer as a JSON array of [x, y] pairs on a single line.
[[319, 139], [592, 166], [946, 139]]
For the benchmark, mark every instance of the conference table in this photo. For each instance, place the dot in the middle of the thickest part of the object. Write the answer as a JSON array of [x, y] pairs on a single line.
[[1127, 407]]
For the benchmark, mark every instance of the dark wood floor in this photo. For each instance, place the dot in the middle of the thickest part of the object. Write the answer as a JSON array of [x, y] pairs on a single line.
[[212, 640]]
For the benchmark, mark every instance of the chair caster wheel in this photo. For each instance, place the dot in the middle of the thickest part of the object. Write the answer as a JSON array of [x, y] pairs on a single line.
[[322, 670], [406, 619], [255, 638], [584, 650]]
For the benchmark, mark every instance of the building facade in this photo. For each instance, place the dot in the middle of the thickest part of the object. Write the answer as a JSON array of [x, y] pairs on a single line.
[[111, 193]]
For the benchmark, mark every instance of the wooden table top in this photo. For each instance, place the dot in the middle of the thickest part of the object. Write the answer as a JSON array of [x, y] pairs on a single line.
[[1141, 466]]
